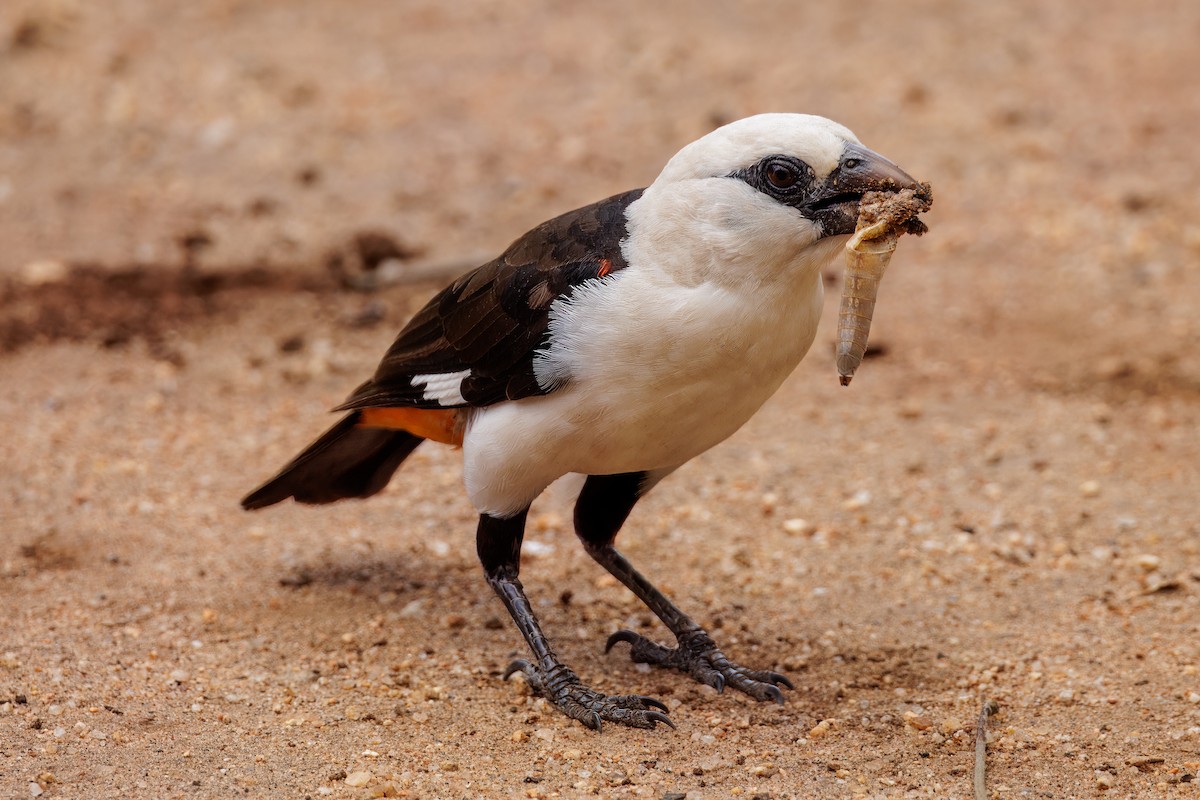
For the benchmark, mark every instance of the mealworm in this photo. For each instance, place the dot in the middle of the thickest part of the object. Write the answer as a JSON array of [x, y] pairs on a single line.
[[883, 217]]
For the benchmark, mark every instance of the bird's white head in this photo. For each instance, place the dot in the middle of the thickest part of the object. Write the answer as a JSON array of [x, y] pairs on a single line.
[[760, 200]]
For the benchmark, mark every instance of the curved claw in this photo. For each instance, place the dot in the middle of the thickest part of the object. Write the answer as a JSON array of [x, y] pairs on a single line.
[[718, 682], [520, 665], [594, 722], [773, 693], [650, 701], [621, 636], [663, 718], [781, 680]]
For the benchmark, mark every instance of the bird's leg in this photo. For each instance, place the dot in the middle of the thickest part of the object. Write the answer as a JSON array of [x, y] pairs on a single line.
[[603, 505], [499, 545]]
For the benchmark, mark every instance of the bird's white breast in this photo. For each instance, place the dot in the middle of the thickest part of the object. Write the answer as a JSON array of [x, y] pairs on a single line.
[[655, 372]]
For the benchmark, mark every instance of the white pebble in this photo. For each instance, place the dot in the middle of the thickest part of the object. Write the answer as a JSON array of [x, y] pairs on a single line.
[[413, 608], [38, 273], [217, 132], [860, 500], [533, 547], [359, 779], [799, 525], [1147, 562]]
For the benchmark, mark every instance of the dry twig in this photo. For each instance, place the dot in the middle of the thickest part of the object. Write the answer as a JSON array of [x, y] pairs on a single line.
[[990, 707]]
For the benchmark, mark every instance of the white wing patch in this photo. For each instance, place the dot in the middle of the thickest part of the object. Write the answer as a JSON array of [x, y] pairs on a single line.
[[444, 387]]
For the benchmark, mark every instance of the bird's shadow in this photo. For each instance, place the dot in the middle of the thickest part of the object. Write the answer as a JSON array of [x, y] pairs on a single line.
[[402, 575]]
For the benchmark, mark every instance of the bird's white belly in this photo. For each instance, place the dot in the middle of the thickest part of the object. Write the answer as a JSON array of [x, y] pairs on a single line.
[[648, 388]]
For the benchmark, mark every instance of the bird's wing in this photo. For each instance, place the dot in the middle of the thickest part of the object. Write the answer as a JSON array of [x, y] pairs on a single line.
[[474, 343]]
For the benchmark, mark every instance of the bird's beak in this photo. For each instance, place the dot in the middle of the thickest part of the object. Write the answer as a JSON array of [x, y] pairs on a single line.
[[860, 170]]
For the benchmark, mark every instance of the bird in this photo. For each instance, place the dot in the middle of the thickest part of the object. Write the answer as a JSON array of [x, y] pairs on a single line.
[[617, 341]]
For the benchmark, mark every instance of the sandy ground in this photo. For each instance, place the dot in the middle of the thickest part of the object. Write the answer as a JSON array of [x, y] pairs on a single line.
[[1002, 506]]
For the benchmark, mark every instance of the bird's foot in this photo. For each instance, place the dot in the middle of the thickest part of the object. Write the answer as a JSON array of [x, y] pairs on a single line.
[[562, 687], [697, 655]]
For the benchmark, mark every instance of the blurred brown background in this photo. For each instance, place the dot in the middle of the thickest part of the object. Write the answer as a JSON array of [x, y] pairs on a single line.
[[1002, 505]]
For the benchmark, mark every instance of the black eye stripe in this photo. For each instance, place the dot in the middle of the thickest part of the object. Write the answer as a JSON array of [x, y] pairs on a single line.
[[785, 178]]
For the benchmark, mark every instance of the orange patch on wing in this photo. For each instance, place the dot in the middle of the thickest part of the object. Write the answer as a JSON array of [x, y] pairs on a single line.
[[435, 424], [605, 267]]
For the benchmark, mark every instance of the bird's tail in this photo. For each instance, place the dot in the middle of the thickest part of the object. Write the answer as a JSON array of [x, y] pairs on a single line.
[[348, 460]]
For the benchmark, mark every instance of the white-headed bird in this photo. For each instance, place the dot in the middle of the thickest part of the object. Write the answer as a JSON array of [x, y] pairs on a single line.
[[616, 341]]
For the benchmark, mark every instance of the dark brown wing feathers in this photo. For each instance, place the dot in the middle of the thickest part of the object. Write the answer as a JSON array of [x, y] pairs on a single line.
[[493, 320]]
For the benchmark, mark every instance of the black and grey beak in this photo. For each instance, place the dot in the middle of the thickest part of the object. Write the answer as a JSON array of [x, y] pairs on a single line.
[[835, 204]]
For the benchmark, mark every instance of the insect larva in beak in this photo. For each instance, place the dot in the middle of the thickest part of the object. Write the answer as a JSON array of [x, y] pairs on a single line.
[[882, 219], [866, 260]]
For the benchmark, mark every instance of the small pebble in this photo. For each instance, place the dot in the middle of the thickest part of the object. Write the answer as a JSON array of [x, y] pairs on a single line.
[[1105, 780], [412, 609], [918, 721], [799, 526], [38, 273], [358, 779], [35, 790], [1147, 562], [1089, 489], [859, 501], [822, 728]]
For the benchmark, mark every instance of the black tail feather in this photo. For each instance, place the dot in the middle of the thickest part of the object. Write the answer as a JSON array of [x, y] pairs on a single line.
[[346, 461]]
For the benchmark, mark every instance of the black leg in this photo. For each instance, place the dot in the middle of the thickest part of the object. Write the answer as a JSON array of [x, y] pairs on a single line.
[[602, 508], [498, 542]]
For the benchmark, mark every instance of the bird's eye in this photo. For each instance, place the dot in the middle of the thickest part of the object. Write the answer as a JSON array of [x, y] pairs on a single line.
[[782, 175], [851, 163]]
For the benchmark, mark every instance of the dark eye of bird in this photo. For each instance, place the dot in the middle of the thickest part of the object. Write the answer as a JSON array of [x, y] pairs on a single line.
[[782, 175], [851, 163]]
